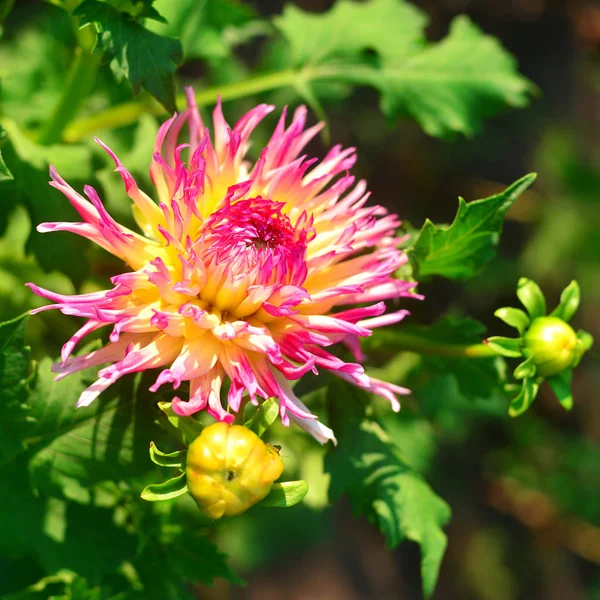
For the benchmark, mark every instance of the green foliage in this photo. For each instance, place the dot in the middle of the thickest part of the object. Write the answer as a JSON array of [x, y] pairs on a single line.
[[73, 478], [5, 174], [146, 59], [29, 164], [461, 249], [448, 87], [208, 29], [370, 469], [15, 377]]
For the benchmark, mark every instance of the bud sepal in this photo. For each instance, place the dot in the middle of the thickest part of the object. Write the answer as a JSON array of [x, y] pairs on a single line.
[[550, 346]]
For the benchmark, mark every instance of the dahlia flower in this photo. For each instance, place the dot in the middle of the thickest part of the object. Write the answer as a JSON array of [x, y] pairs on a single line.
[[238, 271]]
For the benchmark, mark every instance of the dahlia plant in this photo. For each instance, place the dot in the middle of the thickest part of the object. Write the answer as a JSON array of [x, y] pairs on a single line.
[[255, 284]]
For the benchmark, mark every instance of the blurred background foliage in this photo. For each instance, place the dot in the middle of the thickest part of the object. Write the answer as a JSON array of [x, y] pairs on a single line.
[[523, 492]]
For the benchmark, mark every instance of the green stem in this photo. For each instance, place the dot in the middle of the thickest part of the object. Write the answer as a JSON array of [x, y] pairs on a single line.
[[398, 341], [129, 112], [79, 84]]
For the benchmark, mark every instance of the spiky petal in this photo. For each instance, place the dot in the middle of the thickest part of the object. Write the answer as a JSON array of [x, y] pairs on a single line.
[[241, 270]]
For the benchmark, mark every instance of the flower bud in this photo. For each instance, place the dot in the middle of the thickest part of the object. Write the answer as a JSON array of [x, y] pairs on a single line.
[[229, 469], [552, 344]]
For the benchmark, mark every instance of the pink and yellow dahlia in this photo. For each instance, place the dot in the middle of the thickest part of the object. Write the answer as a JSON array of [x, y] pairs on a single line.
[[239, 270]]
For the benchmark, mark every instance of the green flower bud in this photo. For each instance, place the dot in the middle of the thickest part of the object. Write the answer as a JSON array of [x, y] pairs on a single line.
[[552, 345]]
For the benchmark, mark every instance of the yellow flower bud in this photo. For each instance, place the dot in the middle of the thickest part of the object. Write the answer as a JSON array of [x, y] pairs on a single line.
[[229, 469], [552, 344]]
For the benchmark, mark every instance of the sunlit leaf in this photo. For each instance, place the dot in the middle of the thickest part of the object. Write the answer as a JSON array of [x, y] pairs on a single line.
[[29, 163], [448, 87], [461, 249], [146, 59]]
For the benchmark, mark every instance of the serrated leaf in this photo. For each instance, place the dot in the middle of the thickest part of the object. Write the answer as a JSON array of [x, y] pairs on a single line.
[[170, 459], [561, 386], [448, 87], [390, 27], [505, 346], [532, 298], [264, 417], [514, 317], [370, 469], [146, 59], [569, 302], [453, 85], [181, 555], [14, 383], [285, 494], [524, 399], [460, 250], [172, 488]]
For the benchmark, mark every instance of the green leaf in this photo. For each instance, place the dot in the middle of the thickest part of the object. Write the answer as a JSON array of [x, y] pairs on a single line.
[[14, 387], [390, 27], [370, 469], [561, 386], [209, 29], [146, 59], [530, 294], [460, 250], [505, 346], [523, 401], [264, 417], [514, 317], [448, 86], [74, 450], [286, 494], [178, 553], [5, 8], [29, 164], [171, 459], [174, 487], [5, 174], [569, 302]]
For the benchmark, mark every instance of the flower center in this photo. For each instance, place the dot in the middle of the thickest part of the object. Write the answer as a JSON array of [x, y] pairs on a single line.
[[252, 239]]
